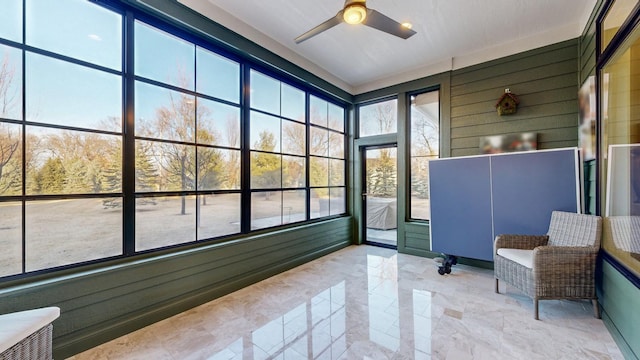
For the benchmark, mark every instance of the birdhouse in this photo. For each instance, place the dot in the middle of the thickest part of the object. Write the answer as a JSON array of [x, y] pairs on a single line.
[[507, 104]]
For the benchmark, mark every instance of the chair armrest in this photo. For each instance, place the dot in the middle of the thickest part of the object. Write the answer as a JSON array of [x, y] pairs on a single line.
[[513, 241], [568, 259]]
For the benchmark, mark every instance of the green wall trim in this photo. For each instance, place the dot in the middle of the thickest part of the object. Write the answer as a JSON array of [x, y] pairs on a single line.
[[101, 304], [620, 300], [618, 338]]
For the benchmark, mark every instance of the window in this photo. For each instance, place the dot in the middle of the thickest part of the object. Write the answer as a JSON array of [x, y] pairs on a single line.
[[616, 15], [425, 145], [187, 150], [620, 121], [68, 139], [379, 118], [70, 142], [278, 152], [327, 159]]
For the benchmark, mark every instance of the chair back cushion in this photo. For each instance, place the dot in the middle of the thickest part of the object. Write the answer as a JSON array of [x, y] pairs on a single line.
[[571, 229]]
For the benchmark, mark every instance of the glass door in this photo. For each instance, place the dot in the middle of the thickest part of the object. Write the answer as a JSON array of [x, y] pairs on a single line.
[[379, 197]]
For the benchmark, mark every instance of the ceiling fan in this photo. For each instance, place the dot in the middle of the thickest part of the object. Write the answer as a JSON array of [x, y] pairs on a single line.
[[356, 12]]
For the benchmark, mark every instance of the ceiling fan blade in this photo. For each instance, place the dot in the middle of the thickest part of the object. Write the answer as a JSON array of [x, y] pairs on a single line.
[[384, 23], [320, 28]]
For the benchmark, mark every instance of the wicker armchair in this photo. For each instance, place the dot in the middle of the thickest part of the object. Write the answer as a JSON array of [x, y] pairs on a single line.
[[559, 265]]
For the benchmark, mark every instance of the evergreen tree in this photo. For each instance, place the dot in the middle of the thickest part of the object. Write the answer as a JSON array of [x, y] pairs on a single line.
[[265, 167], [52, 177]]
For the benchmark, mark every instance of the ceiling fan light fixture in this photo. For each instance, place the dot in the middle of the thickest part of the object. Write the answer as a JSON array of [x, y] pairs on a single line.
[[354, 14]]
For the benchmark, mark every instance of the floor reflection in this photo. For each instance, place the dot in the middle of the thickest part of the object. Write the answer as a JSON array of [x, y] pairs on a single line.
[[366, 302]]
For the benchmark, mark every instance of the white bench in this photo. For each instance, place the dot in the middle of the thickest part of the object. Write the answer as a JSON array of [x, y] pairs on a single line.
[[27, 334]]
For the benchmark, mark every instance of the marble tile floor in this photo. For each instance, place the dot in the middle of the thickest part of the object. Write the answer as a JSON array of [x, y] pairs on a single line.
[[364, 302]]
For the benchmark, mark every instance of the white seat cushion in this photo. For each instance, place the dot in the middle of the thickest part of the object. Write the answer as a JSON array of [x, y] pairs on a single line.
[[522, 257], [15, 327]]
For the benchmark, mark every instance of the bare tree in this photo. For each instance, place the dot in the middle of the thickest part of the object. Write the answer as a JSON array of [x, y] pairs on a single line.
[[10, 169], [233, 164], [425, 136], [385, 117], [8, 95], [10, 136]]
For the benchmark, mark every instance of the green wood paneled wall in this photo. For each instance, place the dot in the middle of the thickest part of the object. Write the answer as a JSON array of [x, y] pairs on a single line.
[[109, 301], [620, 300], [545, 81]]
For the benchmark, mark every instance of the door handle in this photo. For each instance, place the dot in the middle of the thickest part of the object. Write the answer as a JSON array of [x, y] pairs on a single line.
[[364, 196]]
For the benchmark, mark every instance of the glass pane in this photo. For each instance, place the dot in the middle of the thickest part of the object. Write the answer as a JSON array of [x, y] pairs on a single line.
[[10, 238], [10, 159], [615, 18], [420, 208], [62, 93], [79, 29], [71, 231], [265, 170], [11, 20], [218, 215], [293, 171], [265, 93], [218, 169], [381, 175], [294, 138], [293, 103], [425, 145], [379, 118], [336, 172], [165, 221], [175, 66], [10, 82], [72, 162], [380, 203], [265, 132], [266, 209], [164, 166], [318, 111], [232, 165], [294, 206], [164, 114], [336, 117], [218, 124], [217, 76], [319, 141], [319, 171], [319, 203], [425, 124], [338, 201], [336, 145]]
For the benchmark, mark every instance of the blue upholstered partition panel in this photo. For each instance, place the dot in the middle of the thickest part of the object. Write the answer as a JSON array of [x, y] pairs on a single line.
[[460, 196], [473, 199], [527, 187]]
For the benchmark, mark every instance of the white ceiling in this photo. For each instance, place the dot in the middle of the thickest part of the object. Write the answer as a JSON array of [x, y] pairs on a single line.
[[451, 34]]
